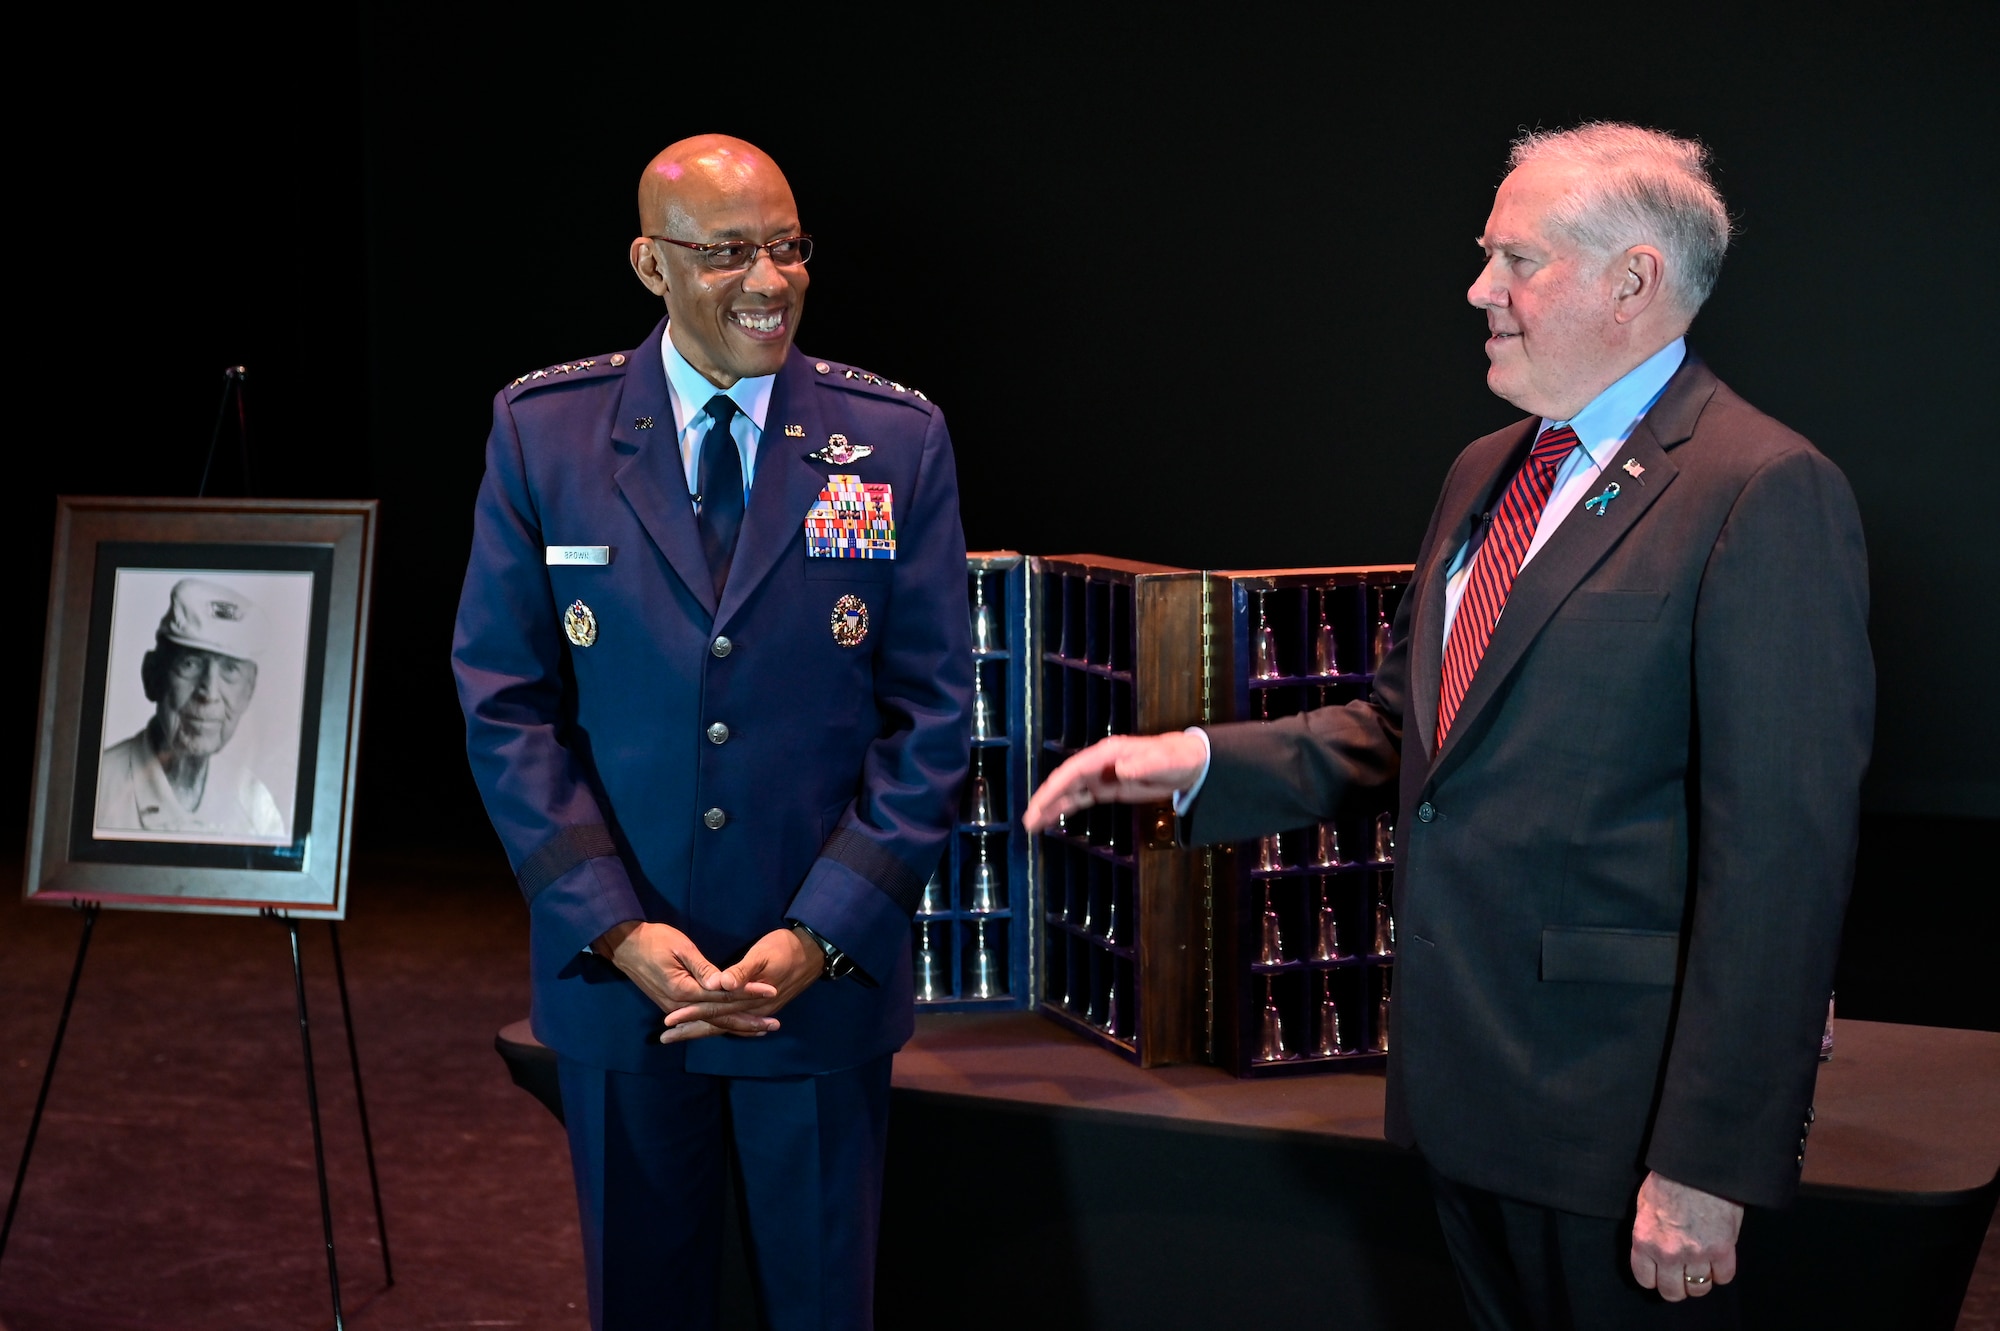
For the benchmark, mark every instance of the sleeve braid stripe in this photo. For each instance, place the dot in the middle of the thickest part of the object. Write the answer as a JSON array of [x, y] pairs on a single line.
[[903, 884], [563, 852]]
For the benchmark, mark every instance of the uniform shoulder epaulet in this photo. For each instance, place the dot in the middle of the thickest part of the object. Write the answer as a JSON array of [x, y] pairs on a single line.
[[568, 370], [835, 375]]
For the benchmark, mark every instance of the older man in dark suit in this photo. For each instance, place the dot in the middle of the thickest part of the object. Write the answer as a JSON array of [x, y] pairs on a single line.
[[1629, 706], [714, 656]]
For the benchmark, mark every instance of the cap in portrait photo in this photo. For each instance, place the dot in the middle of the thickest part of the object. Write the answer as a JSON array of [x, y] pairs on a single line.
[[212, 618]]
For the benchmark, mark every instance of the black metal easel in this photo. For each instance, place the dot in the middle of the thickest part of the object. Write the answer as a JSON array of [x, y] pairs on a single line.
[[312, 1104], [232, 385], [89, 909]]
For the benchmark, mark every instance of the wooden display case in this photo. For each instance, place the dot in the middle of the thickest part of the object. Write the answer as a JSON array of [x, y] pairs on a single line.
[[1303, 919], [976, 920], [1121, 913]]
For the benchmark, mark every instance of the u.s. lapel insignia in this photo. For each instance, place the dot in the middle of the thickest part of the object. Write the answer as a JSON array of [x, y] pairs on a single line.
[[795, 432], [850, 621], [839, 452], [1603, 502], [579, 624], [1633, 469]]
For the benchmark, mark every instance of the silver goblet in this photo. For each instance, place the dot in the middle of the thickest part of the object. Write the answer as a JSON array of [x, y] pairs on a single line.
[[987, 982], [1326, 656], [1271, 1048], [1272, 950], [1385, 927], [1382, 1018], [985, 625], [980, 800], [985, 897], [1380, 639], [982, 706], [1264, 645], [1326, 846], [933, 901], [1329, 929], [1329, 1021], [930, 970]]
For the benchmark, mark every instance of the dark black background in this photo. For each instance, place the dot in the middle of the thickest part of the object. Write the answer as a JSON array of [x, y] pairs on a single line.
[[1189, 289]]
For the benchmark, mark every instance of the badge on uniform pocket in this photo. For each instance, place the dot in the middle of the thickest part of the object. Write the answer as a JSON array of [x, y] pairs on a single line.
[[850, 621], [852, 519]]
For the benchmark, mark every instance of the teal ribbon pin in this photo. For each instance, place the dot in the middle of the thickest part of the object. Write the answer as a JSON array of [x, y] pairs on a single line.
[[1603, 502]]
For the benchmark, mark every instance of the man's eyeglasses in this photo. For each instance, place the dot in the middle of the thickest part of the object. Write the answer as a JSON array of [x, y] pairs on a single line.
[[735, 256]]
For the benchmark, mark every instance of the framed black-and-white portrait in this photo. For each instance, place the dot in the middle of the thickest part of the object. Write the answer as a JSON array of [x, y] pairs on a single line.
[[200, 704]]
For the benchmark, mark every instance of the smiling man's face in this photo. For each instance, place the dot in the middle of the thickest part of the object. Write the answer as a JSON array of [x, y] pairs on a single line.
[[1554, 340], [729, 326], [201, 699]]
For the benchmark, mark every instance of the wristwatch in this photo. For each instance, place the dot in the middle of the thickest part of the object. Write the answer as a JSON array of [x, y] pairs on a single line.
[[838, 964]]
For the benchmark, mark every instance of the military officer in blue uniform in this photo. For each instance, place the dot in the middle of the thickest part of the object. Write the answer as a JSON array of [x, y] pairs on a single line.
[[713, 655]]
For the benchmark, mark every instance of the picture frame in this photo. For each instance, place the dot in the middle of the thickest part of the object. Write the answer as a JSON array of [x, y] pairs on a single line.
[[200, 704]]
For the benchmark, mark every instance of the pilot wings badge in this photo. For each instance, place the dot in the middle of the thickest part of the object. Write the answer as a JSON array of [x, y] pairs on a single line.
[[839, 452]]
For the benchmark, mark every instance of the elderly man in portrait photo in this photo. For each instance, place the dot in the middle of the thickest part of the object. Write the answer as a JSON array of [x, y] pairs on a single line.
[[719, 725], [1628, 706], [200, 676]]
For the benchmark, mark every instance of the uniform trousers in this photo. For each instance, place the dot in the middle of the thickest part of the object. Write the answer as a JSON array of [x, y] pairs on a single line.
[[1524, 1267], [649, 1153]]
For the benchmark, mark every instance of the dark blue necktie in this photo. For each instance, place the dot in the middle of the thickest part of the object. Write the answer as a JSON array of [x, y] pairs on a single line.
[[719, 473]]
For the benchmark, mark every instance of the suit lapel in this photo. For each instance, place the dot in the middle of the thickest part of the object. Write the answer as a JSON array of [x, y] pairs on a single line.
[[1473, 494], [1580, 543], [653, 478], [784, 489]]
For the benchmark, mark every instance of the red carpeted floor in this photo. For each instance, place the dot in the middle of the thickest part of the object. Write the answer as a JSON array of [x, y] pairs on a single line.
[[173, 1184]]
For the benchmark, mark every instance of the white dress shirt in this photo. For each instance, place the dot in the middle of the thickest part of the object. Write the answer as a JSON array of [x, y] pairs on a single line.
[[691, 391]]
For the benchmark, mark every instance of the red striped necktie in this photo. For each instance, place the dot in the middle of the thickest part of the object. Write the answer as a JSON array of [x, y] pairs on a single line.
[[1495, 566]]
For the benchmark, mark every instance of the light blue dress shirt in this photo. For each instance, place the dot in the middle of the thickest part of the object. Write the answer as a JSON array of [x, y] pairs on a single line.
[[690, 391], [1601, 430]]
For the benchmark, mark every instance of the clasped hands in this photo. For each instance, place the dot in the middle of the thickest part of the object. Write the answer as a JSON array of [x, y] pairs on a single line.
[[702, 999]]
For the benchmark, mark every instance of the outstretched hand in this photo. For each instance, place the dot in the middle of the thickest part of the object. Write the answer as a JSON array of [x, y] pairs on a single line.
[[1683, 1239], [1124, 769]]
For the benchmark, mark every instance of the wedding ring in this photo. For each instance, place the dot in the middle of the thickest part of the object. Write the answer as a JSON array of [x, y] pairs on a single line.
[[1694, 1280]]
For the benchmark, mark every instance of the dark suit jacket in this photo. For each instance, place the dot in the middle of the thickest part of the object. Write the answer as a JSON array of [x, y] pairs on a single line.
[[840, 771], [1621, 882]]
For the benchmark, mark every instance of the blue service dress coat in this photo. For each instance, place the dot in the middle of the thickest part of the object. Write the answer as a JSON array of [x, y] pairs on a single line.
[[722, 768], [1621, 879]]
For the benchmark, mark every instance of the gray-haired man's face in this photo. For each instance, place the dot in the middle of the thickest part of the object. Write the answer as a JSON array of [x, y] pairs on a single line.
[[202, 697]]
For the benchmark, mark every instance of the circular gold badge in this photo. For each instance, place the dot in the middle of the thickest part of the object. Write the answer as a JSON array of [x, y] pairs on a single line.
[[580, 624], [850, 621]]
